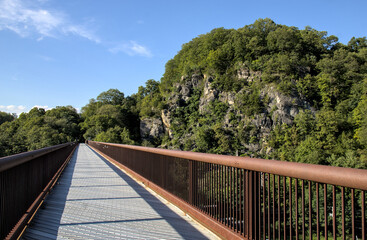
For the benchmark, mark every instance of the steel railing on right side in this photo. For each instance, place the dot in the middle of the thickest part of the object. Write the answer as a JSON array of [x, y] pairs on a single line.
[[255, 198]]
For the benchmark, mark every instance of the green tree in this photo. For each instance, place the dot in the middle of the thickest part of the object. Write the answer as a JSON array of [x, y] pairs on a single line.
[[6, 117], [111, 96]]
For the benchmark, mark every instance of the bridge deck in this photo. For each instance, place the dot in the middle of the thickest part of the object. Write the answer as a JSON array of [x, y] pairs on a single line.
[[95, 200]]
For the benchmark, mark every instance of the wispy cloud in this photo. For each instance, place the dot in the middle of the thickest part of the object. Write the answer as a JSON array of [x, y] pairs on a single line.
[[132, 48], [20, 108], [31, 20]]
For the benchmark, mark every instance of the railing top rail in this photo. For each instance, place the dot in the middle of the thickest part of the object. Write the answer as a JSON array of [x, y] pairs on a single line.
[[347, 177], [20, 158]]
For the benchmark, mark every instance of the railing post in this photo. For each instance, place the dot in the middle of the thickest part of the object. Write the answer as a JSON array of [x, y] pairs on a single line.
[[250, 205]]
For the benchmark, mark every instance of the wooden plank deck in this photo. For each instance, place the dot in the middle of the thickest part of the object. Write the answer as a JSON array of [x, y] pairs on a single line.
[[93, 199]]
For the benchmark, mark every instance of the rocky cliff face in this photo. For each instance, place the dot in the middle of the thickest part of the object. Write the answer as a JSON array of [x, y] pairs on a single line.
[[151, 128], [277, 109]]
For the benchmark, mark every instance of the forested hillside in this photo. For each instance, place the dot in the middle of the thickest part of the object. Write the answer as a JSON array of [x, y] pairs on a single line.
[[264, 90], [38, 129]]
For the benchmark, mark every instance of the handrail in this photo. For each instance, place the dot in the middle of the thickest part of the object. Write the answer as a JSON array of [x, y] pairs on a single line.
[[251, 198], [20, 158], [347, 177]]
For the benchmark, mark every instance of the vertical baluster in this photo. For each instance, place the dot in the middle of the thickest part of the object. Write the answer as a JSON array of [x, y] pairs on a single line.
[[290, 208], [231, 182], [309, 210], [206, 196], [212, 189], [343, 213], [255, 191], [250, 209], [303, 210], [234, 197], [296, 201], [238, 200], [325, 211], [363, 216], [216, 191], [214, 176], [208, 187], [264, 206], [279, 217], [229, 209], [334, 213], [317, 211], [273, 206], [244, 203], [258, 192], [203, 186], [353, 215], [226, 195], [191, 182], [223, 208], [221, 199], [196, 179], [269, 236], [241, 202], [219, 204], [247, 212], [284, 209], [199, 185]]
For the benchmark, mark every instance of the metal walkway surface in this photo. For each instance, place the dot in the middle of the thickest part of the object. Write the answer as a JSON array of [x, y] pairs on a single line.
[[93, 199]]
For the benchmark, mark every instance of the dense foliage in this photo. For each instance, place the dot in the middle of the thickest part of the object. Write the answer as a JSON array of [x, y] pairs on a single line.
[[307, 65], [38, 129], [111, 118]]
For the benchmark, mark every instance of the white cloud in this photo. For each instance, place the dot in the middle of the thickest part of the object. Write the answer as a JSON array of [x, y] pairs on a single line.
[[20, 108], [28, 20], [132, 48], [13, 109], [44, 107]]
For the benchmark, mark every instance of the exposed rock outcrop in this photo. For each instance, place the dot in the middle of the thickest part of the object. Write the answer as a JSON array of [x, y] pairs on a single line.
[[151, 128], [283, 108], [187, 85], [248, 75], [166, 119], [209, 95]]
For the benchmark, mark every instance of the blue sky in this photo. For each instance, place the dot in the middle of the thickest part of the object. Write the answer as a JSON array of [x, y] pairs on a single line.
[[65, 52]]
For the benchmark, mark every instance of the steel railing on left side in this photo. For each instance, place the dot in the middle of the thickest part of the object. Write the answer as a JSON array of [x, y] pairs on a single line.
[[23, 179]]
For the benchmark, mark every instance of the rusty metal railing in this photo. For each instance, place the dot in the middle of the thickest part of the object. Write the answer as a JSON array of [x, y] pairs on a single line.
[[24, 179], [253, 198]]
